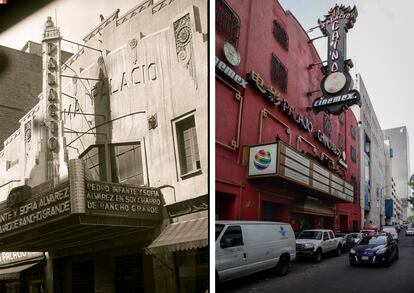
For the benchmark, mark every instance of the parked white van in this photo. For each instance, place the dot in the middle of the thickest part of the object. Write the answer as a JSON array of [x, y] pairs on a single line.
[[243, 248]]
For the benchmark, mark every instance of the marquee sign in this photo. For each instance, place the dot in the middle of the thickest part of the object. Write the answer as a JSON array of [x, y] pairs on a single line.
[[337, 84], [110, 199], [40, 209]]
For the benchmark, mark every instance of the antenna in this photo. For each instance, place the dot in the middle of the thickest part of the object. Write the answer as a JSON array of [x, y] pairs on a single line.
[[355, 63]]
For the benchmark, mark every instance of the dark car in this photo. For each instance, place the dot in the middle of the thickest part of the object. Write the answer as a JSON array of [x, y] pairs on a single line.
[[374, 249]]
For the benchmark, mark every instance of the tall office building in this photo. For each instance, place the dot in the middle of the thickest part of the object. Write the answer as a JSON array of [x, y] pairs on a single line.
[[372, 163], [400, 164]]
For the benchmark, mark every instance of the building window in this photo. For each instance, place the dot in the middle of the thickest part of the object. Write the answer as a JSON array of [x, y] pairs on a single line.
[[341, 118], [327, 125], [94, 159], [279, 73], [227, 22], [187, 145], [281, 35], [353, 154], [127, 164], [341, 141], [353, 132]]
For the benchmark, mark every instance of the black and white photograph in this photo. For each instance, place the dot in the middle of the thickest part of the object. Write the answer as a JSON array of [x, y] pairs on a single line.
[[104, 146]]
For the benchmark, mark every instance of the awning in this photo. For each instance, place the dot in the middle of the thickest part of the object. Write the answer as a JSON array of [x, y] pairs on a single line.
[[184, 235], [14, 272]]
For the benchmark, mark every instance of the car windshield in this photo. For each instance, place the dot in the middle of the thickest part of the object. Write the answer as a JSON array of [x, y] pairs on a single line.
[[219, 228], [356, 235], [410, 229], [376, 240], [310, 235]]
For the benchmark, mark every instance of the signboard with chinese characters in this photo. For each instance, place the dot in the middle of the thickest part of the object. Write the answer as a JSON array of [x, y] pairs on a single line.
[[268, 92], [110, 199], [337, 84], [263, 160]]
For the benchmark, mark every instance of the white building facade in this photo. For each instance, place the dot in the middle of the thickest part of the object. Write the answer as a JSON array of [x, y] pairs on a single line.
[[372, 160], [401, 172]]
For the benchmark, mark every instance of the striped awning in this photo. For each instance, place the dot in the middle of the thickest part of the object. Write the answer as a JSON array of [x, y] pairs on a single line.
[[12, 273], [184, 235]]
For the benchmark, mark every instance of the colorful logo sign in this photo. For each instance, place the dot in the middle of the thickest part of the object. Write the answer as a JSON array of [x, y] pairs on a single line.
[[262, 159], [3, 1], [283, 232]]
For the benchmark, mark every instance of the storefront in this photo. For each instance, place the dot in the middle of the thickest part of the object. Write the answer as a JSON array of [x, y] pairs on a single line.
[[22, 272]]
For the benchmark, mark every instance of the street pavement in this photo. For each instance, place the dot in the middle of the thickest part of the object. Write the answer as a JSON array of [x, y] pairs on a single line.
[[334, 275]]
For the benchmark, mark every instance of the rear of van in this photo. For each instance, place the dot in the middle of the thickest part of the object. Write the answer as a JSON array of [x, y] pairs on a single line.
[[244, 248]]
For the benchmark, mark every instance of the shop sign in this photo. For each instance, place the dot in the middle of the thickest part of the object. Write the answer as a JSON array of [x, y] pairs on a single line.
[[188, 206], [268, 93], [230, 73], [12, 257], [301, 120], [262, 160], [39, 209], [123, 200], [337, 84]]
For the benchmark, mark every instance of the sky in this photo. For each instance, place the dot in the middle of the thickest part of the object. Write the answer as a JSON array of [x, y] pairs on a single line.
[[380, 44], [76, 18]]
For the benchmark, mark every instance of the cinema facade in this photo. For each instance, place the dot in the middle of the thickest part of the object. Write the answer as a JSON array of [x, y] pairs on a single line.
[[276, 158], [104, 185]]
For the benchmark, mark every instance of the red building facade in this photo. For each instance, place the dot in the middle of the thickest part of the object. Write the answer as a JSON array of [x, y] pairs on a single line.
[[271, 53]]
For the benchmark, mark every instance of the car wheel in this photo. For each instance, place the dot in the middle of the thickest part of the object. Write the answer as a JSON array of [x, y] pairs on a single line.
[[338, 251], [282, 266], [317, 257], [388, 260]]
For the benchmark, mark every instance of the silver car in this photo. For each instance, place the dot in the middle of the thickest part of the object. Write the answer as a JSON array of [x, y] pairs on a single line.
[[409, 231]]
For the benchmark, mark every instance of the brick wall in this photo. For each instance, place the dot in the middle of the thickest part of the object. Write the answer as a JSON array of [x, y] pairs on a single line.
[[20, 85]]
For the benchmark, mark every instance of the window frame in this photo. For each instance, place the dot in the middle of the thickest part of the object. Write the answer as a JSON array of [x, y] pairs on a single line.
[[241, 243], [276, 79], [279, 32], [143, 159], [231, 35], [111, 145], [180, 174]]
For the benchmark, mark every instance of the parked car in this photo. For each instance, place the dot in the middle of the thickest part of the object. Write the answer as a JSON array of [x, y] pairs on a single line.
[[316, 242], [348, 241], [409, 231], [392, 231], [374, 249], [244, 248], [367, 232], [356, 237]]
